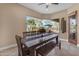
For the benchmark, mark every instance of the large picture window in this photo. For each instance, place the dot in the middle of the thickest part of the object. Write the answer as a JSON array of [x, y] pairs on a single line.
[[34, 24]]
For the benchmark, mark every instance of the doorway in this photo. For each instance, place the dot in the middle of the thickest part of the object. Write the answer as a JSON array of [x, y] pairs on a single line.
[[73, 28]]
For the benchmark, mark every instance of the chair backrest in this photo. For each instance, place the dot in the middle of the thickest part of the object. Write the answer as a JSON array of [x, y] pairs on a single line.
[[24, 34], [19, 44], [28, 34]]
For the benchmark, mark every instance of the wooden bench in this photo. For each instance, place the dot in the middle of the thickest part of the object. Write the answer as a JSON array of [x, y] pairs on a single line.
[[45, 49]]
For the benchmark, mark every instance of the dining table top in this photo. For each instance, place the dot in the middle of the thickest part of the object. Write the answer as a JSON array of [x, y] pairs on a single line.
[[36, 40]]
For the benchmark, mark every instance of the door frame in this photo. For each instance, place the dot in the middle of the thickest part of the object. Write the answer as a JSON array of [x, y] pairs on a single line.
[[71, 14]]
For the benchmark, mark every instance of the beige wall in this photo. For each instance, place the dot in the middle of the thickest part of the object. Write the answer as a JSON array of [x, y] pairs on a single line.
[[46, 16], [12, 18]]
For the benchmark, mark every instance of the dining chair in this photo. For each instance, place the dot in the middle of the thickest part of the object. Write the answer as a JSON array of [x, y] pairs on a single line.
[[27, 34], [24, 34], [22, 49]]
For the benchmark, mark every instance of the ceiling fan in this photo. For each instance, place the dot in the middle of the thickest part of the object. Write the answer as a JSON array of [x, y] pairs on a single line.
[[48, 4]]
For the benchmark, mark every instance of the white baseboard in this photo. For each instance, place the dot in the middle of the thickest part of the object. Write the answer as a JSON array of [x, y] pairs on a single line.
[[64, 39], [6, 47], [77, 45]]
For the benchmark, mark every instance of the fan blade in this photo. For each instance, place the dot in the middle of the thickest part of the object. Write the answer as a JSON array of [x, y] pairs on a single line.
[[55, 3], [41, 3]]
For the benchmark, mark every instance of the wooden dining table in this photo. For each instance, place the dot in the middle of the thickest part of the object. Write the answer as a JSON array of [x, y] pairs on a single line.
[[35, 41]]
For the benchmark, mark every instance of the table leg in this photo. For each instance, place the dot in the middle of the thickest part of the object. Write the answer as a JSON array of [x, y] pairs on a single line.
[[57, 40], [60, 45]]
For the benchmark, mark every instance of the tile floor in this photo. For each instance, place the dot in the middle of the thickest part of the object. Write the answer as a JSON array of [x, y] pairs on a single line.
[[66, 50]]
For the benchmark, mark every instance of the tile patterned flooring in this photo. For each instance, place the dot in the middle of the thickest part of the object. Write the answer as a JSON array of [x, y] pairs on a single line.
[[67, 49]]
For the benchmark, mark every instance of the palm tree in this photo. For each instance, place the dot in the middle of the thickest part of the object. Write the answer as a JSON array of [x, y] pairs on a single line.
[[32, 23]]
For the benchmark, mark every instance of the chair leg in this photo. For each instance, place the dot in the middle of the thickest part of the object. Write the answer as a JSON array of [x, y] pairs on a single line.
[[59, 45], [36, 53]]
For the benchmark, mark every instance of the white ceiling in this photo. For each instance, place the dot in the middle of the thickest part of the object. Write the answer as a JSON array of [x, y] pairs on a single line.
[[52, 8]]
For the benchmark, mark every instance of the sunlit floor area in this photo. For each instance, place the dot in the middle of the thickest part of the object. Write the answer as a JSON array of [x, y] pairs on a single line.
[[67, 49]]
